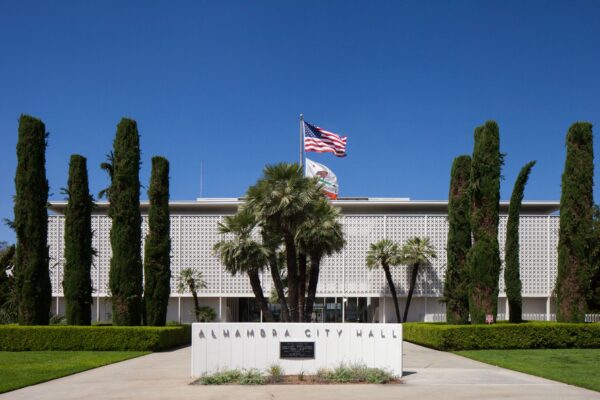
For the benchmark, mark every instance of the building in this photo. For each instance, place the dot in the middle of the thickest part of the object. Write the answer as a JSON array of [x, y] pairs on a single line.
[[347, 290]]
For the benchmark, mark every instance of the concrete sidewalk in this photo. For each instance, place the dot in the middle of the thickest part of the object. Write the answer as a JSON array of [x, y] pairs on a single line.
[[429, 374]]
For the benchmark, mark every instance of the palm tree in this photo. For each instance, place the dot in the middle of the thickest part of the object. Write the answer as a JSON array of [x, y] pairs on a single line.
[[416, 252], [244, 254], [272, 241], [386, 253], [280, 199], [319, 235], [191, 280]]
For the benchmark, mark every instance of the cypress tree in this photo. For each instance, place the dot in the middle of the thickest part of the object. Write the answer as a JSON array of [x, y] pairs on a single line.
[[512, 276], [576, 225], [125, 277], [77, 283], [31, 224], [483, 259], [157, 259], [456, 293], [594, 292]]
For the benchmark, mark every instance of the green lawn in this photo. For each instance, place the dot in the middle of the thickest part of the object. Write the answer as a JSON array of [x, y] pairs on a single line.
[[580, 367], [24, 368]]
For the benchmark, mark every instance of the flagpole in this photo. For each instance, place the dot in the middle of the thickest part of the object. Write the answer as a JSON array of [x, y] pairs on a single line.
[[302, 141]]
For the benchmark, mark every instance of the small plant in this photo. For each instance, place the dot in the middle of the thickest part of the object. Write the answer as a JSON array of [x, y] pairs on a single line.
[[244, 377], [301, 376], [251, 377], [221, 378], [354, 373], [58, 320], [206, 314], [275, 373]]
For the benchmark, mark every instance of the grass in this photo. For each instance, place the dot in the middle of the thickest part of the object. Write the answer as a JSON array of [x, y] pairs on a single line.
[[579, 367], [24, 368]]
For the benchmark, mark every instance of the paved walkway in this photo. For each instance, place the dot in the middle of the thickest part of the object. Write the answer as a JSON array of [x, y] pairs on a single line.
[[429, 374]]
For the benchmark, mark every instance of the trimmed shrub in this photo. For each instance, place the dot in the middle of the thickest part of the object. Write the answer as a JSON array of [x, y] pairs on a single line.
[[77, 282], [125, 276], [483, 259], [576, 225], [92, 338], [157, 260], [531, 335], [512, 275], [32, 274], [456, 293]]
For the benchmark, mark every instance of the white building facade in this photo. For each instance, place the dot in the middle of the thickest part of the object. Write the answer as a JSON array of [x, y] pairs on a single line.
[[348, 291]]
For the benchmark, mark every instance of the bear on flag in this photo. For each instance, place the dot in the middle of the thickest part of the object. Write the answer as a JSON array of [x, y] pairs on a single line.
[[326, 177]]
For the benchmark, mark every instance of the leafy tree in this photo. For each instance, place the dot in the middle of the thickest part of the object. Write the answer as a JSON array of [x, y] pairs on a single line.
[[8, 292], [243, 254], [157, 259], [192, 280], [512, 277], [31, 224], [77, 283], [125, 277], [594, 293], [386, 253], [576, 225], [416, 252], [280, 200], [319, 235], [456, 294], [483, 259]]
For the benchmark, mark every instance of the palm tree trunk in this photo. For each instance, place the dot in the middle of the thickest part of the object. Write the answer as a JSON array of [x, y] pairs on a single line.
[[285, 312], [259, 295], [301, 285], [390, 282], [313, 281], [196, 303], [413, 281], [292, 267]]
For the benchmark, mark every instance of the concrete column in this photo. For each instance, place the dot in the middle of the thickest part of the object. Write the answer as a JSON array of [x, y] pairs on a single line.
[[506, 310], [548, 309], [220, 309], [179, 308]]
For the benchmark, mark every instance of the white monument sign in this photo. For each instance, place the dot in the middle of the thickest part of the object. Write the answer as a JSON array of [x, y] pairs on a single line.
[[296, 347]]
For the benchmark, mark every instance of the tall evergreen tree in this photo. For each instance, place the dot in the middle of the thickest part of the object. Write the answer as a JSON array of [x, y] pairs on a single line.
[[576, 225], [456, 294], [157, 259], [125, 276], [594, 292], [512, 276], [77, 283], [483, 259], [31, 224]]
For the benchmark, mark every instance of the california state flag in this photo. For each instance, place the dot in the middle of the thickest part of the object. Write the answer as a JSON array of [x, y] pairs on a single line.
[[326, 177]]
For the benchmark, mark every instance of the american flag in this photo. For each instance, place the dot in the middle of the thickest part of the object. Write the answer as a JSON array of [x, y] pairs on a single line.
[[321, 141]]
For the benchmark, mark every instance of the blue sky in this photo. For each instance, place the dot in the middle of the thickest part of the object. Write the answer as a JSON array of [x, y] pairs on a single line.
[[223, 83]]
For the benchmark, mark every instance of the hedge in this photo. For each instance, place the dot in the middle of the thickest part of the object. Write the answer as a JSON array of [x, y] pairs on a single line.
[[531, 335], [93, 338]]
